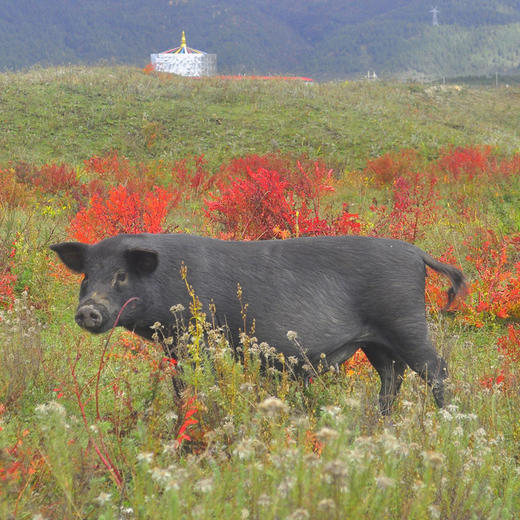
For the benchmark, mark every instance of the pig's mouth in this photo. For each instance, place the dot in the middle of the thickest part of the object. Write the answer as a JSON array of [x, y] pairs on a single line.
[[94, 317]]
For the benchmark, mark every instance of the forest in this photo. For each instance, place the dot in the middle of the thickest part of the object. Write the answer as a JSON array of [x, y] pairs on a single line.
[[328, 39]]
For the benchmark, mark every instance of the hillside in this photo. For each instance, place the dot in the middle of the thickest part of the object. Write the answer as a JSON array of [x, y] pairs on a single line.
[[325, 39], [69, 114]]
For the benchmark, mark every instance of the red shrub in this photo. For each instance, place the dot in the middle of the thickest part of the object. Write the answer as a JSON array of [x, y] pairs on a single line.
[[52, 178], [307, 178], [508, 167], [239, 166], [7, 276], [436, 285], [259, 206], [18, 464], [506, 377], [113, 170], [346, 224], [466, 163], [122, 211], [266, 204], [509, 344], [387, 168], [7, 282], [13, 193], [415, 207], [496, 289], [191, 177]]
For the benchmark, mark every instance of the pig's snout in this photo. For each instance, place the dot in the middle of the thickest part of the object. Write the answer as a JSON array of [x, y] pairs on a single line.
[[89, 317]]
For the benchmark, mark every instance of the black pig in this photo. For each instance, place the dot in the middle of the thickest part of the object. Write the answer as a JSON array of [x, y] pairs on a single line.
[[337, 293]]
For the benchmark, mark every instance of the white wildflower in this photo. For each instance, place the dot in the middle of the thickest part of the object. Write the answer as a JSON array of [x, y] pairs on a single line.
[[327, 505], [326, 434], [445, 414], [272, 406], [458, 431], [205, 485], [264, 500], [336, 469], [145, 457], [384, 482], [353, 403], [160, 475], [433, 457], [434, 512], [103, 498], [299, 514], [51, 408], [285, 486], [292, 335]]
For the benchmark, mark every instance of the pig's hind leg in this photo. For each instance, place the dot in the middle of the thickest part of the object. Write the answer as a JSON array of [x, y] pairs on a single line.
[[390, 371], [421, 356]]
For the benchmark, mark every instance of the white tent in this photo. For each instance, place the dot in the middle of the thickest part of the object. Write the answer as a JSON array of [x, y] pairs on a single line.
[[185, 61]]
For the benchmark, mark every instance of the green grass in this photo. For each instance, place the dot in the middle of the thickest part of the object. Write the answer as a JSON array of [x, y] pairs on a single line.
[[69, 114]]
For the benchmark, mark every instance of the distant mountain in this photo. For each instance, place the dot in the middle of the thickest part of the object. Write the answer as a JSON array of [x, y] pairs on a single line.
[[319, 38]]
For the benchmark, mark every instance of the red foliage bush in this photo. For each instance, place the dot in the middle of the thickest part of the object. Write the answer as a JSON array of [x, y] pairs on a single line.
[[509, 344], [511, 166], [255, 207], [112, 170], [18, 464], [7, 282], [436, 296], [415, 207], [50, 178], [266, 204], [7, 276], [386, 169], [123, 211], [466, 163], [53, 178], [496, 289], [13, 193], [191, 177], [239, 166]]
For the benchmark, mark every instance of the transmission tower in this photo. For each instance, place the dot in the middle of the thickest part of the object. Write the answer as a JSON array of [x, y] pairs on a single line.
[[435, 12]]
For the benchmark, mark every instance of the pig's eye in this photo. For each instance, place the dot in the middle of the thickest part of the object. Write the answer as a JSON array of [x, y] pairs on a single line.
[[121, 277]]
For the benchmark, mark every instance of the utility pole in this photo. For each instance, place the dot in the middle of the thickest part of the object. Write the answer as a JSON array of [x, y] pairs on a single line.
[[435, 12]]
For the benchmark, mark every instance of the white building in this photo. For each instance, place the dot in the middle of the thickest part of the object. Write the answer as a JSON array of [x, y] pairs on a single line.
[[185, 61]]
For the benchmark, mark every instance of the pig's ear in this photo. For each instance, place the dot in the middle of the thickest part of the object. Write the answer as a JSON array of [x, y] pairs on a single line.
[[72, 254], [142, 261]]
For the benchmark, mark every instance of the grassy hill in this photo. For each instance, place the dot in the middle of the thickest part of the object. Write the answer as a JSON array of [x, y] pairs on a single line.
[[69, 114], [325, 39]]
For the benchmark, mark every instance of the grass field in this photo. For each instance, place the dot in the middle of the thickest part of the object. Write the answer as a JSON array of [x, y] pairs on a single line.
[[70, 114], [89, 426]]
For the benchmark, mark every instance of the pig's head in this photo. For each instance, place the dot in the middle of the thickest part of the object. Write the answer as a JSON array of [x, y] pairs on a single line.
[[112, 277]]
